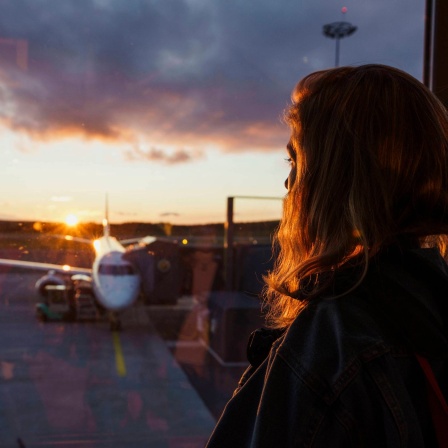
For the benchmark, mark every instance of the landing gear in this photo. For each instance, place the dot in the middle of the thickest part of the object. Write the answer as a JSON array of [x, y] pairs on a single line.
[[115, 323], [115, 326]]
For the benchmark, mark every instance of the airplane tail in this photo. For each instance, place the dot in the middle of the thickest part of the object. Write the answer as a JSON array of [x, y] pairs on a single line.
[[106, 226]]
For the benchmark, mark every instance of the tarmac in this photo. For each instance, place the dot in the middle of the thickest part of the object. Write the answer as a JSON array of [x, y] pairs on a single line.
[[77, 384]]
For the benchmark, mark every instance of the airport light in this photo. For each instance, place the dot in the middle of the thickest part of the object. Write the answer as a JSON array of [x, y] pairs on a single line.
[[337, 31]]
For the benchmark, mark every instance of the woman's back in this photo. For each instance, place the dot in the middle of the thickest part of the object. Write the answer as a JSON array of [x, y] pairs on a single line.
[[345, 373]]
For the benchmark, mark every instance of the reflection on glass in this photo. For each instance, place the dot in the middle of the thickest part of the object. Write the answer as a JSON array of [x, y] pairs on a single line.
[[168, 109]]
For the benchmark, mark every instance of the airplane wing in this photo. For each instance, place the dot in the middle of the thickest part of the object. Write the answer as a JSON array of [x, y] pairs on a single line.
[[36, 266], [70, 238], [140, 240]]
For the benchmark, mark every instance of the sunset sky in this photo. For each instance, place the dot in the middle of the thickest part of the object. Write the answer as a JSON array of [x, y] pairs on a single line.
[[168, 106]]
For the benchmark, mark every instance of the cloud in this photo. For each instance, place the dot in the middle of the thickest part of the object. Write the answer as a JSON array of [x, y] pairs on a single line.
[[118, 213], [185, 74], [179, 155], [169, 214]]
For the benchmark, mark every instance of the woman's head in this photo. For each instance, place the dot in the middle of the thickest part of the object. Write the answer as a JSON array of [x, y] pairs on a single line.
[[369, 155]]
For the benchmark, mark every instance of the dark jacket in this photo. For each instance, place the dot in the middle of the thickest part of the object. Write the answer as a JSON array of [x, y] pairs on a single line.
[[345, 373]]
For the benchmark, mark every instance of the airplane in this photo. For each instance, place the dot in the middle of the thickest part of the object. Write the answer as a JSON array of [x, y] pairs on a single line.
[[114, 281]]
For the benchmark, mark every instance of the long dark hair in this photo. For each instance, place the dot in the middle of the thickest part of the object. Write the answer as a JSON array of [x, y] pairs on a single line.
[[370, 148]]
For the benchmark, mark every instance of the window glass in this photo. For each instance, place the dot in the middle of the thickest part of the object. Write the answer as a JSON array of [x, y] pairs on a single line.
[[154, 122], [110, 269]]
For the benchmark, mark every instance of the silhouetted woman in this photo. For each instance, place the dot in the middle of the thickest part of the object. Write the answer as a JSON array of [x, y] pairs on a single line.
[[357, 303]]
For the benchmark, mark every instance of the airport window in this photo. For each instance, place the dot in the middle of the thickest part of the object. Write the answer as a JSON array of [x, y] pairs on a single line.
[[110, 269], [155, 128]]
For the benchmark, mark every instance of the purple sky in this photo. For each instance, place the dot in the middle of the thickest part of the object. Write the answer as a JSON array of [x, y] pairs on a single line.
[[185, 73], [170, 106]]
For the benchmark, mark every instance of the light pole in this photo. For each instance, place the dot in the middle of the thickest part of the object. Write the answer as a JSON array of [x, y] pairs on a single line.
[[338, 30], [229, 228]]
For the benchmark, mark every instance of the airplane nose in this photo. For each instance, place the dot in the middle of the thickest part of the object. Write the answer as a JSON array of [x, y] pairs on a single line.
[[118, 294]]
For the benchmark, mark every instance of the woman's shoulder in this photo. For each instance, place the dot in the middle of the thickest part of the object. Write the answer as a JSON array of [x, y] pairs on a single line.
[[397, 309], [332, 334]]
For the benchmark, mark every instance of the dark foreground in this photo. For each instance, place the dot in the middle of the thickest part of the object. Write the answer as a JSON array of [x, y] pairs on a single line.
[[79, 385]]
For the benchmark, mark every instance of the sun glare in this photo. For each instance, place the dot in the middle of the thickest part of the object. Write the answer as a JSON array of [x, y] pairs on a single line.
[[71, 220]]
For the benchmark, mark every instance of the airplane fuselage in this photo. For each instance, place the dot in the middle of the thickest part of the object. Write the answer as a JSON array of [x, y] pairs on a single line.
[[116, 283]]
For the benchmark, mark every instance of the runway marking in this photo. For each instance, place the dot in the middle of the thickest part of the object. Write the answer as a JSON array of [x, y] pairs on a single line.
[[119, 358]]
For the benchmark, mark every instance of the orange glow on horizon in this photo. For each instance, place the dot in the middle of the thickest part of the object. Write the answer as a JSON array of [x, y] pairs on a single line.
[[71, 220]]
